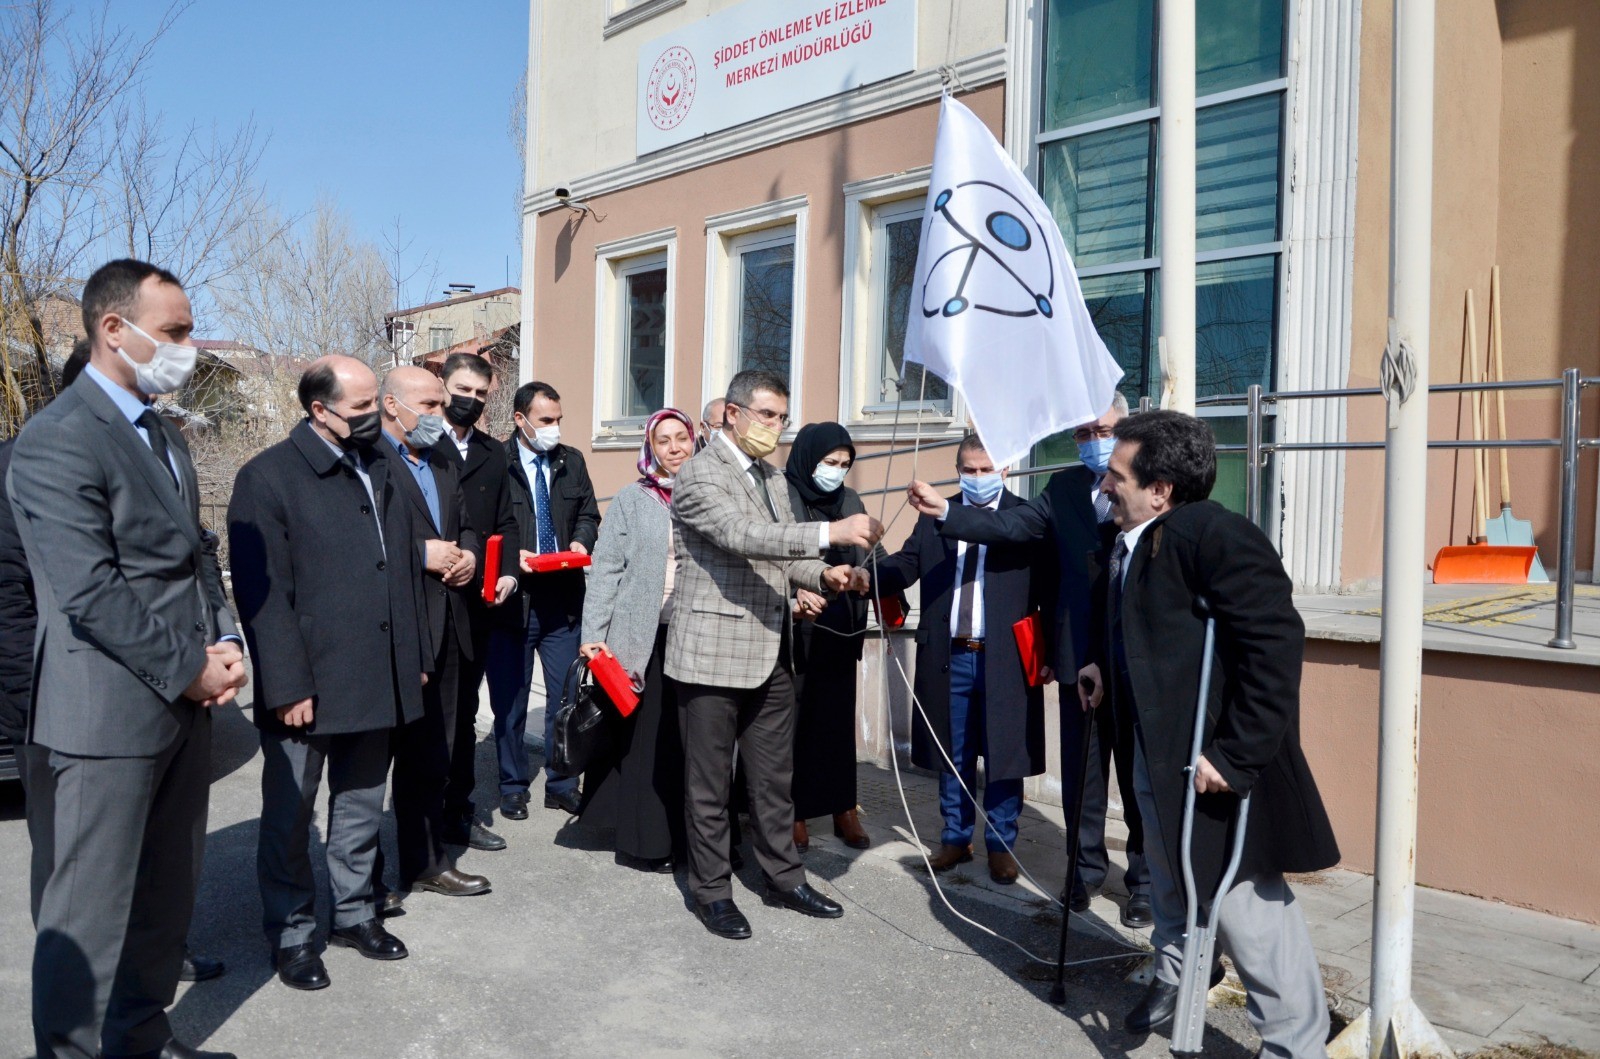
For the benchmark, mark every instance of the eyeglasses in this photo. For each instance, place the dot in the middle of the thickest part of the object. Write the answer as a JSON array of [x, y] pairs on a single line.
[[1089, 433], [766, 415]]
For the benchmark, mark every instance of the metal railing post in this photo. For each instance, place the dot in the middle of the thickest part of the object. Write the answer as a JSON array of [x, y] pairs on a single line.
[[1571, 393], [1252, 454]]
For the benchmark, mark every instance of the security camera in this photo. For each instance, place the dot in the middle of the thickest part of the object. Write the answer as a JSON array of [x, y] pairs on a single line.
[[564, 197], [563, 193]]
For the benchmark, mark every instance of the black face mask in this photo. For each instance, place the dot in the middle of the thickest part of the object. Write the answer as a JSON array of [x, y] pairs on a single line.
[[365, 429], [463, 411]]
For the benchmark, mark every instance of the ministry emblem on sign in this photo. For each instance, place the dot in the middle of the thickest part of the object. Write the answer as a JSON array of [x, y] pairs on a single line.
[[670, 91]]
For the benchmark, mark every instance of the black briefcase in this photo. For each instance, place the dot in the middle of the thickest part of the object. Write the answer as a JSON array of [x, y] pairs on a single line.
[[581, 730]]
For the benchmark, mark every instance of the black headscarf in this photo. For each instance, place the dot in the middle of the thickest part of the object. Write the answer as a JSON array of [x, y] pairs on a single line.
[[815, 441]]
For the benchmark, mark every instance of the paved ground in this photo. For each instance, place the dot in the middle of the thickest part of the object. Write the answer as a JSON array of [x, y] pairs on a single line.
[[572, 954]]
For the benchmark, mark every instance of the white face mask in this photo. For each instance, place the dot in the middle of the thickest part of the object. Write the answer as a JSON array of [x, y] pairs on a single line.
[[828, 477], [543, 439], [166, 371]]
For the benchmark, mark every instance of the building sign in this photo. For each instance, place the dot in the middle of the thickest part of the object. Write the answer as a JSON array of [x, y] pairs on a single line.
[[764, 56]]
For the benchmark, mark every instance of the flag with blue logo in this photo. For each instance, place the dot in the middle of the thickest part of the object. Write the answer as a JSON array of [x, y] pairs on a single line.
[[996, 309]]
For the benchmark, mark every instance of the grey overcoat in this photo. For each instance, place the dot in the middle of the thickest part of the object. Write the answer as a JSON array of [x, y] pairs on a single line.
[[622, 603]]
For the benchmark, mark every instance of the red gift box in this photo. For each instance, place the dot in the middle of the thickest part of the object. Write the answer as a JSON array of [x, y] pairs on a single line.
[[544, 564], [1030, 645], [491, 566], [615, 682]]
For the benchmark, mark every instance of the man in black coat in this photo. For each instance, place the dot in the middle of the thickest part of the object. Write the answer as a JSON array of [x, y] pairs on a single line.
[[1071, 511], [329, 587], [412, 402], [970, 681], [554, 504], [480, 463], [1178, 557]]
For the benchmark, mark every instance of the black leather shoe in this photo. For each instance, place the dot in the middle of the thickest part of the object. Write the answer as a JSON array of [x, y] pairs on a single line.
[[514, 806], [1159, 1003], [474, 835], [200, 968], [1078, 900], [657, 865], [393, 904], [370, 940], [724, 919], [177, 1050], [299, 967], [452, 883], [805, 900], [1137, 912], [567, 801]]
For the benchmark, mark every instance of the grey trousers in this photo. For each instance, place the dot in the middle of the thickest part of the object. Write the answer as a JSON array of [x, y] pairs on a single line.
[[127, 836], [39, 793], [761, 721], [1260, 928], [291, 773]]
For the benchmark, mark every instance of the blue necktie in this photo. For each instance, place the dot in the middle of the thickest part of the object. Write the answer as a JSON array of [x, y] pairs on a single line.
[[541, 495]]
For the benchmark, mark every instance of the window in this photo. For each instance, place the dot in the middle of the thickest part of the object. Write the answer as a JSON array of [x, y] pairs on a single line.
[[633, 334], [440, 338], [755, 296], [883, 227], [1097, 171]]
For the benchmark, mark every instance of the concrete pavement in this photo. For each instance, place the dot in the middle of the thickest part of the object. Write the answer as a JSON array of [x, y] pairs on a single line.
[[571, 953]]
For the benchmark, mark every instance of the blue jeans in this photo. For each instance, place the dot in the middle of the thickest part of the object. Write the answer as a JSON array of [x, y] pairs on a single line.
[[509, 670], [1002, 799]]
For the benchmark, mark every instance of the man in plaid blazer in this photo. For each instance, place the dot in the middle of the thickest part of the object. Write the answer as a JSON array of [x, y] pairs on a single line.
[[739, 556]]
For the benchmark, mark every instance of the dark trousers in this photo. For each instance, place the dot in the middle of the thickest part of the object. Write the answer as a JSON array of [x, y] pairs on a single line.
[[761, 721], [553, 637], [39, 794], [292, 765], [969, 724], [127, 839], [423, 751], [1093, 862], [464, 745]]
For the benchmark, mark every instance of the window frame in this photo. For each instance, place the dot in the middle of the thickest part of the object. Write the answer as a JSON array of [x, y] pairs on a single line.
[[869, 206], [728, 237], [614, 262]]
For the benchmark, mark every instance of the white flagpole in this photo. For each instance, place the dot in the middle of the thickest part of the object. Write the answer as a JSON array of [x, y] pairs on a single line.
[[1393, 1025], [1176, 159]]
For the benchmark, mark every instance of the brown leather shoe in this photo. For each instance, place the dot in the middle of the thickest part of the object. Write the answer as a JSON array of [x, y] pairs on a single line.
[[848, 827], [802, 837], [453, 883], [1002, 867], [947, 857]]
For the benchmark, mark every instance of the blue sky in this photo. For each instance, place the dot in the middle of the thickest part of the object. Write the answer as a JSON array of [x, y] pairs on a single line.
[[393, 109]]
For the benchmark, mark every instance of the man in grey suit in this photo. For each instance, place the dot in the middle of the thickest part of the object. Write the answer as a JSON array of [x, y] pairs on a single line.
[[739, 552], [134, 645]]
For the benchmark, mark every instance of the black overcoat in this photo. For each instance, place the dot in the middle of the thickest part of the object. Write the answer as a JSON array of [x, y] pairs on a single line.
[[329, 611], [1018, 579], [576, 515], [486, 487], [1253, 715], [437, 597], [19, 615]]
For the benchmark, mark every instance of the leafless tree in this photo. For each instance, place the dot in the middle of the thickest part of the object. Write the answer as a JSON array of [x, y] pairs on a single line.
[[306, 289]]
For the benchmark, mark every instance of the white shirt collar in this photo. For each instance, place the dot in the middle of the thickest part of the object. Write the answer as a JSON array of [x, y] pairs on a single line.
[[1131, 537]]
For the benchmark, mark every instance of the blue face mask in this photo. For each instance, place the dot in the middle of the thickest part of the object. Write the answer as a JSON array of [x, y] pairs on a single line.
[[981, 488], [1096, 453]]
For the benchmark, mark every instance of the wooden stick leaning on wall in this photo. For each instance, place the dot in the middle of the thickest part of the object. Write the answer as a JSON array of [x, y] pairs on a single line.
[[1497, 354], [1480, 458]]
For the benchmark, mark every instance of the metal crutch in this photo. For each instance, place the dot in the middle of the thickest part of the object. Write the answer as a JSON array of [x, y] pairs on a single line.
[[1199, 942]]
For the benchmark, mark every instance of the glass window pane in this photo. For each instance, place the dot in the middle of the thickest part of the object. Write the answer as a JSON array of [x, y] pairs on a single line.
[[1098, 188], [1235, 317], [1236, 180], [646, 344], [766, 308], [1237, 42], [899, 249], [1099, 55]]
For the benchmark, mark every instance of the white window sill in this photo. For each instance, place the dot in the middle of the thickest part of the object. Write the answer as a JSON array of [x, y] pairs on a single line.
[[635, 13]]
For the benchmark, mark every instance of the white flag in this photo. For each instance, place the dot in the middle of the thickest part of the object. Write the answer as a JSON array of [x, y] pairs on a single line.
[[996, 309]]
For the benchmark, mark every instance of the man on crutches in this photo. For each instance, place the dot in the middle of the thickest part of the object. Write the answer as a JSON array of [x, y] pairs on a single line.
[[1178, 560]]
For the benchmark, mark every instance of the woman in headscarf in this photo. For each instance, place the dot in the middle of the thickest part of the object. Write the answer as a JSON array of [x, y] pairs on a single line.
[[637, 787], [827, 646]]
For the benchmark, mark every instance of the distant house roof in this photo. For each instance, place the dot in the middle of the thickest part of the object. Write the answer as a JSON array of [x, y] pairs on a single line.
[[503, 342], [223, 345], [452, 301]]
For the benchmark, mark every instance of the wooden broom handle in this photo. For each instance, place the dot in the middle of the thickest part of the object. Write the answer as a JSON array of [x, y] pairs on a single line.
[[1497, 352]]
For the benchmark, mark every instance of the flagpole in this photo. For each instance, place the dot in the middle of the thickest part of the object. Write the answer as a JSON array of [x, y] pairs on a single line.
[[1394, 1025], [1176, 160]]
